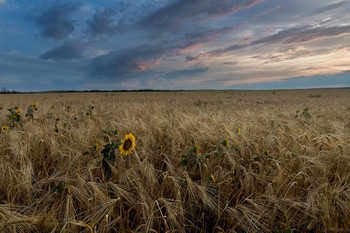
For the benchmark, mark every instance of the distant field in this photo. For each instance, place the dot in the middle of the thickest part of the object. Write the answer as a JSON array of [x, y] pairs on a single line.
[[204, 161]]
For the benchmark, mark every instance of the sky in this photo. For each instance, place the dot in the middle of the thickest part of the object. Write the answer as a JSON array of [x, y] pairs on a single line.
[[174, 44]]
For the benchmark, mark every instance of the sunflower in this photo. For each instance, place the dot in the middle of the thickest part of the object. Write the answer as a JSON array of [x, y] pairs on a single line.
[[18, 112], [225, 142], [35, 105], [197, 150], [4, 128], [128, 144], [16, 107]]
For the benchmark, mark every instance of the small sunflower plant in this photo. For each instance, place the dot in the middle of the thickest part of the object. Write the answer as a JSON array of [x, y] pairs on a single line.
[[14, 116], [262, 156], [30, 110], [89, 112], [194, 156], [219, 149], [110, 148]]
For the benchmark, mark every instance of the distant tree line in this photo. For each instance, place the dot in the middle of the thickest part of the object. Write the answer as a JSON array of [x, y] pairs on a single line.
[[138, 90], [4, 90]]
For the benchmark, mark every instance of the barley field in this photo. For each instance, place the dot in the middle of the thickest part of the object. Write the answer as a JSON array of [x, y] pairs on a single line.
[[203, 161]]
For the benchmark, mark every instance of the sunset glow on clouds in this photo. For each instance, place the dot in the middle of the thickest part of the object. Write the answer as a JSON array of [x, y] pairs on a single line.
[[174, 44]]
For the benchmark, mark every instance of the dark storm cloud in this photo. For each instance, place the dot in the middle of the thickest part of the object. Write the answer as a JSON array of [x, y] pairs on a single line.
[[57, 21], [67, 51], [109, 21], [140, 58], [122, 18], [118, 63], [104, 22], [170, 17], [287, 37]]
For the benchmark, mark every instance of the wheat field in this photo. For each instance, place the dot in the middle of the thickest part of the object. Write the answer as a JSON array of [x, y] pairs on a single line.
[[204, 161]]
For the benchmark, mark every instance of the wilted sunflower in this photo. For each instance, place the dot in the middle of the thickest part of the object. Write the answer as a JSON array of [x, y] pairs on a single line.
[[4, 128], [35, 105], [18, 112], [128, 144]]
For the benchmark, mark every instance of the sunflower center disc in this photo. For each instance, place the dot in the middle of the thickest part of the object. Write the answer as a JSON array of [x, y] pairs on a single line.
[[127, 144]]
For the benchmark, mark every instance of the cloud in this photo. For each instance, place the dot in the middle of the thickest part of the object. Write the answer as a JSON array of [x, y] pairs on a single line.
[[140, 58], [104, 22], [286, 37], [35, 74], [172, 16], [132, 60], [123, 17], [304, 34], [230, 63], [300, 52], [67, 51], [185, 72], [329, 7], [57, 21], [316, 81], [116, 64]]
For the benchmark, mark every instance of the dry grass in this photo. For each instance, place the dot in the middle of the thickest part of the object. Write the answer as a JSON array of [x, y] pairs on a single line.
[[48, 185]]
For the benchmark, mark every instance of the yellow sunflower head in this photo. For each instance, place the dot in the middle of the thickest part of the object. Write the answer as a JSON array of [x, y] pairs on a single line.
[[225, 142], [18, 112], [35, 105], [128, 144], [4, 128], [197, 150]]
